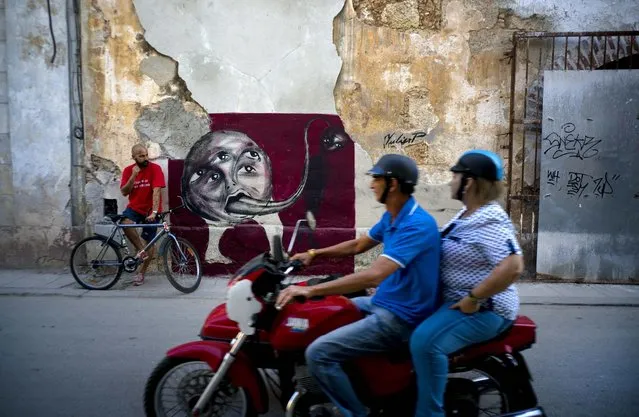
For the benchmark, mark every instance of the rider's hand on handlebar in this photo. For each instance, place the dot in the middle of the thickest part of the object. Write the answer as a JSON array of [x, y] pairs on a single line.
[[288, 294], [305, 257]]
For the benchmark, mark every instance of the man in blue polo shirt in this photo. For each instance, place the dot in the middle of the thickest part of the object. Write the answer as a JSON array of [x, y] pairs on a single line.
[[406, 275]]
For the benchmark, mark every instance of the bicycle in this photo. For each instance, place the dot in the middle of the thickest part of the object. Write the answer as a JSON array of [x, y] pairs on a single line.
[[100, 254]]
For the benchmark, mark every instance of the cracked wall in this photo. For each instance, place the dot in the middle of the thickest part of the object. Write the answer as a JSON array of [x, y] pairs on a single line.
[[428, 78], [35, 224]]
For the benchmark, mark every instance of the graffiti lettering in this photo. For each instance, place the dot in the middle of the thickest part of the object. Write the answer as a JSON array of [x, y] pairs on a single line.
[[401, 139], [571, 145], [602, 185], [552, 177], [579, 182]]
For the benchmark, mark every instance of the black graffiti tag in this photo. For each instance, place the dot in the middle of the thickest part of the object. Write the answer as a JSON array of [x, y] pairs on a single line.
[[577, 183], [401, 139], [552, 177], [603, 186], [571, 145]]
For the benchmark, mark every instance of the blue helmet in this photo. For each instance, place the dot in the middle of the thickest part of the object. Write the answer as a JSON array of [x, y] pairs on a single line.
[[480, 164]]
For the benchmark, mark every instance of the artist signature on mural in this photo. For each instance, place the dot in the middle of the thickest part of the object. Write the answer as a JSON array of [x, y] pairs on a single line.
[[402, 139], [568, 144]]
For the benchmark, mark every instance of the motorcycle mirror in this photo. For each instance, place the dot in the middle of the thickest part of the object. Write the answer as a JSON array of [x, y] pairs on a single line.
[[310, 219]]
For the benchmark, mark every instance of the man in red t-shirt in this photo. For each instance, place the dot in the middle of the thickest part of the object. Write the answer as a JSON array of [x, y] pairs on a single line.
[[142, 182]]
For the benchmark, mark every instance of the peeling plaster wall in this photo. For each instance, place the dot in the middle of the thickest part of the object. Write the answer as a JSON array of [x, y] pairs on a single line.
[[36, 224], [242, 58], [132, 95], [428, 78]]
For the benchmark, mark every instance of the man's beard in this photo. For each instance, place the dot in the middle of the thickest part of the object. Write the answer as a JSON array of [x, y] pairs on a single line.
[[143, 164]]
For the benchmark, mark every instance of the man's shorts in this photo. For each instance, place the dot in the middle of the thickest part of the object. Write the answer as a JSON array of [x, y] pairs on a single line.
[[148, 233]]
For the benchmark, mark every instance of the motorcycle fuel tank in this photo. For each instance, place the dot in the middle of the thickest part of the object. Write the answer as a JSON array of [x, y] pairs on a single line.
[[299, 324]]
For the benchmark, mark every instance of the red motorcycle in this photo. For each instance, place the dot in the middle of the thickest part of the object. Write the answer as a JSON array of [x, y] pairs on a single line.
[[249, 347]]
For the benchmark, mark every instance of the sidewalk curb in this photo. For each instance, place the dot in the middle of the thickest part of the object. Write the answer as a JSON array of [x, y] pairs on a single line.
[[75, 293]]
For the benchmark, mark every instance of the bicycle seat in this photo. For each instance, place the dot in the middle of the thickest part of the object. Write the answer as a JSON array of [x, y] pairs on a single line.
[[115, 217]]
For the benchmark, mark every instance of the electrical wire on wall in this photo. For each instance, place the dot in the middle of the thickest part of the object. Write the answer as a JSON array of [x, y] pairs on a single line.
[[55, 50], [78, 130]]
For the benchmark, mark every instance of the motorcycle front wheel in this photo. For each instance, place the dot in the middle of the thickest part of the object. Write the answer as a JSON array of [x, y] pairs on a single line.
[[175, 386]]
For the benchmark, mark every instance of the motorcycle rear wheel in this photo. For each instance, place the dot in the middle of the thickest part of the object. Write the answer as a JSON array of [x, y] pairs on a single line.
[[176, 384], [476, 393]]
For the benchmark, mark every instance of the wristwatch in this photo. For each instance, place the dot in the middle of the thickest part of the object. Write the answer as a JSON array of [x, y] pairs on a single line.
[[312, 252]]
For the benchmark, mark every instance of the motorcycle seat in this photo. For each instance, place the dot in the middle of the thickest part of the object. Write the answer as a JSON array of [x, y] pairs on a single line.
[[402, 354]]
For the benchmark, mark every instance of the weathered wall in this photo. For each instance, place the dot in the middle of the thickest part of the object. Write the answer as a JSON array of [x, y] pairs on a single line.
[[6, 168], [425, 78], [36, 225], [428, 78]]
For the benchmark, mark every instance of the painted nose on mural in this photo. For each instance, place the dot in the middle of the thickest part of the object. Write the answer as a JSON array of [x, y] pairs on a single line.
[[243, 204], [233, 192]]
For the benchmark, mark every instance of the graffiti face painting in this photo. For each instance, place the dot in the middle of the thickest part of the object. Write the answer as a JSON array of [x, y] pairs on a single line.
[[220, 168], [254, 176], [227, 177]]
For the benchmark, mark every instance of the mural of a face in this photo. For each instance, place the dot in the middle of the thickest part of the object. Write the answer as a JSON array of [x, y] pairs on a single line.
[[220, 167], [227, 176]]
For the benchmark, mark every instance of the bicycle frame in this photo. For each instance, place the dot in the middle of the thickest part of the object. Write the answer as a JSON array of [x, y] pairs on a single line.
[[166, 230]]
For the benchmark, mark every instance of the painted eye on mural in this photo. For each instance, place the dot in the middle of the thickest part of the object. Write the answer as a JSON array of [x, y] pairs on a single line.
[[248, 169], [198, 174], [215, 177], [223, 156], [332, 142], [254, 155]]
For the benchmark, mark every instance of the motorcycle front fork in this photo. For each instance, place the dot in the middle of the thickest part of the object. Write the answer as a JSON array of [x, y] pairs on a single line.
[[226, 363]]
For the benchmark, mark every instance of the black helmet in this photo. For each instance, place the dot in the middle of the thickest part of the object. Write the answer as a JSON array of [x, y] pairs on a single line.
[[480, 164], [396, 166]]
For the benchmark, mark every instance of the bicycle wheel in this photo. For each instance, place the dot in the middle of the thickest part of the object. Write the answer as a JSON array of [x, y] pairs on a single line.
[[182, 265], [96, 263]]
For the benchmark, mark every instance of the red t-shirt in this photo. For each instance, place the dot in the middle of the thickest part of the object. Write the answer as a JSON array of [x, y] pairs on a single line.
[[141, 197]]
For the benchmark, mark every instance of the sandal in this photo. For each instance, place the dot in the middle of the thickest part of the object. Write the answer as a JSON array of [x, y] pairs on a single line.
[[138, 280]]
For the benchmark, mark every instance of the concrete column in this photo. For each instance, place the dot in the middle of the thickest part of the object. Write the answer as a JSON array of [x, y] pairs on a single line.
[[6, 170], [35, 112]]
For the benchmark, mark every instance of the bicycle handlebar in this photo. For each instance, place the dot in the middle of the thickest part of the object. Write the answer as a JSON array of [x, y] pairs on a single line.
[[169, 211]]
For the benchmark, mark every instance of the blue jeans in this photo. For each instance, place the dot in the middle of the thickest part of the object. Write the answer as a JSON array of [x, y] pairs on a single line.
[[443, 333], [379, 331]]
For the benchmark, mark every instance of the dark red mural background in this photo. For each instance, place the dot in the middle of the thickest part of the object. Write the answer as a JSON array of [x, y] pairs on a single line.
[[329, 192]]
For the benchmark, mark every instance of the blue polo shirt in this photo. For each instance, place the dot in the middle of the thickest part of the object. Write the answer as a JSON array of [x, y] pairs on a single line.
[[412, 242]]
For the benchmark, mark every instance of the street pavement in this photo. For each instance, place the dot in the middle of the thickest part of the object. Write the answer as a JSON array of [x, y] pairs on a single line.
[[91, 356], [66, 351], [61, 283]]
